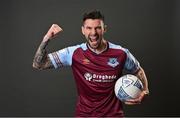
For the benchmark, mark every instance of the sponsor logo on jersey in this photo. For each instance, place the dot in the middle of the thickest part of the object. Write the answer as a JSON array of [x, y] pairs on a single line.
[[99, 78], [113, 62], [88, 76]]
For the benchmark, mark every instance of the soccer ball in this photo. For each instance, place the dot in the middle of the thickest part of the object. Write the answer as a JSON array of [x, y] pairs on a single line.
[[128, 87]]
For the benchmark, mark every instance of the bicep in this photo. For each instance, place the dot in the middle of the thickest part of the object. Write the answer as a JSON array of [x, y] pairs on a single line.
[[48, 64]]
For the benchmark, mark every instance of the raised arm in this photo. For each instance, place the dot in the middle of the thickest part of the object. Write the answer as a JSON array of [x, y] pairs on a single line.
[[41, 60]]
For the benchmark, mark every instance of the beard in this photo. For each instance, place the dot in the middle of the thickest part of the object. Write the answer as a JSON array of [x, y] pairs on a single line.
[[93, 38], [94, 41]]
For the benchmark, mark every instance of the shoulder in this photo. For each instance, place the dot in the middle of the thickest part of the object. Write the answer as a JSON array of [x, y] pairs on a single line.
[[118, 47], [122, 49], [82, 46], [75, 47]]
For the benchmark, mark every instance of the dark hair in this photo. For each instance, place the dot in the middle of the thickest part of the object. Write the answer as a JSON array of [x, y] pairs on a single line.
[[95, 14]]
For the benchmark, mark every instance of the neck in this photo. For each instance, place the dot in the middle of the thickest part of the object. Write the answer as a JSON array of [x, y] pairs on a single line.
[[101, 48]]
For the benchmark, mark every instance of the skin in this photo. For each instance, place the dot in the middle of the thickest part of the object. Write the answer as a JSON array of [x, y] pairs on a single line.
[[142, 76], [93, 30], [41, 60]]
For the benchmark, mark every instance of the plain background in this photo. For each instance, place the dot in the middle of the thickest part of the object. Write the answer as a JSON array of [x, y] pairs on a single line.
[[148, 28]]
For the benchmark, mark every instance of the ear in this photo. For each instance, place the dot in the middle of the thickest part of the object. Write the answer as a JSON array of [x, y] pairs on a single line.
[[105, 28], [82, 30]]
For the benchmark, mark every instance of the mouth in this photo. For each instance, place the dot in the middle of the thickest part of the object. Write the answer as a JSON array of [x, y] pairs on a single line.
[[93, 38]]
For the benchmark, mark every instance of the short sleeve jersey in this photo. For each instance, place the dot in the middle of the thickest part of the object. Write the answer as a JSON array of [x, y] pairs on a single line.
[[95, 76]]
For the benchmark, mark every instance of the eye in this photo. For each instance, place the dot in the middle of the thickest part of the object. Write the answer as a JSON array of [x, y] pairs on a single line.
[[99, 28], [89, 28]]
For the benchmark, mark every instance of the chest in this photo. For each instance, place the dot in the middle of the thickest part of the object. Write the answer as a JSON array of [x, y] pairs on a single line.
[[111, 60]]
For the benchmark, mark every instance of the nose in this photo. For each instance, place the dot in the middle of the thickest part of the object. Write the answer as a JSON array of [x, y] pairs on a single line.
[[93, 31]]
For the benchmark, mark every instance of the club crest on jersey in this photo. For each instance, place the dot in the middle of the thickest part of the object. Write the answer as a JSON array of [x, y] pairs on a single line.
[[113, 62]]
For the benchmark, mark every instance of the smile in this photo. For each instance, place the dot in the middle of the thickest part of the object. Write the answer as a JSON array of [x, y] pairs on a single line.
[[93, 38]]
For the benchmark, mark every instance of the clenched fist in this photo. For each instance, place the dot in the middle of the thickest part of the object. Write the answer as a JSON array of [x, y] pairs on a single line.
[[52, 32]]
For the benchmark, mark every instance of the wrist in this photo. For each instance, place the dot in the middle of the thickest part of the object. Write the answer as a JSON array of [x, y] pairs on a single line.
[[146, 92], [46, 38], [43, 44]]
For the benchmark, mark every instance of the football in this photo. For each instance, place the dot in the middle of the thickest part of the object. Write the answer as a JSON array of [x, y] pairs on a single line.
[[128, 87]]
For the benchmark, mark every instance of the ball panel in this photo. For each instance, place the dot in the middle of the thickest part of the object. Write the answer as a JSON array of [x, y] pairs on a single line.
[[128, 87], [122, 95], [138, 84], [126, 81], [133, 91]]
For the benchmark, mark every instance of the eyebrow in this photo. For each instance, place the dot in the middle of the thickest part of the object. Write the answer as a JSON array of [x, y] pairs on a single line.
[[91, 27]]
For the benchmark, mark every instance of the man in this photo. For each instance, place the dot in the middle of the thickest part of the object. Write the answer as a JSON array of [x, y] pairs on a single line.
[[96, 66]]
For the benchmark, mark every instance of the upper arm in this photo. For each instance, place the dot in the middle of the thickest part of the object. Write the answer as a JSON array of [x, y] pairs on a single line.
[[62, 57], [131, 64], [47, 64]]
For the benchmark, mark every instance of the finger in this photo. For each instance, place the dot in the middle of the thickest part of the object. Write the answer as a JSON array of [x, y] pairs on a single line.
[[129, 103], [132, 103], [131, 100]]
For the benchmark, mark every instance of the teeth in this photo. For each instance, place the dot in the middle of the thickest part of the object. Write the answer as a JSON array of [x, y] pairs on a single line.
[[93, 37]]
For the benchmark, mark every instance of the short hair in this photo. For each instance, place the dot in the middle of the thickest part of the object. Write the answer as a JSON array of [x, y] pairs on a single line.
[[95, 14]]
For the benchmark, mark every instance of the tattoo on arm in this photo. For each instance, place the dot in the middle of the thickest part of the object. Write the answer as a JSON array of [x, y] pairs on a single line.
[[41, 60], [41, 53], [142, 76]]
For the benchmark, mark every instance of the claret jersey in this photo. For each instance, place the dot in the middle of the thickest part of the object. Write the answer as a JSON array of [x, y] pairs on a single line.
[[95, 76]]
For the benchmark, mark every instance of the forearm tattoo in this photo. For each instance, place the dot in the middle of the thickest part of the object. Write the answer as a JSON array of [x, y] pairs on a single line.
[[41, 53], [41, 61], [142, 77]]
